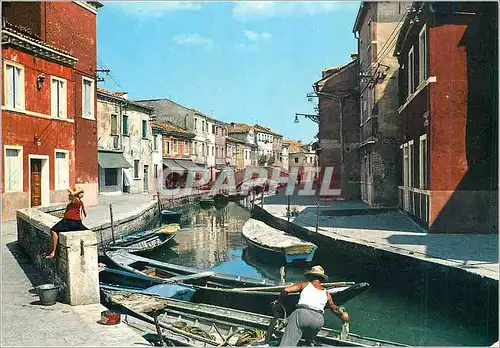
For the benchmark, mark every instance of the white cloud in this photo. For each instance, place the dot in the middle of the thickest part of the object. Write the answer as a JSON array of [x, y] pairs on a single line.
[[247, 10], [253, 36], [194, 40], [157, 8]]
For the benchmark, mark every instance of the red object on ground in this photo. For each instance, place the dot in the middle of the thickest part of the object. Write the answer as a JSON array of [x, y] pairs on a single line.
[[110, 318]]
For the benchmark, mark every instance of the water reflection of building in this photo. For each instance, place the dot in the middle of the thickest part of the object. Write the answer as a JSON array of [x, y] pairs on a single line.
[[212, 234]]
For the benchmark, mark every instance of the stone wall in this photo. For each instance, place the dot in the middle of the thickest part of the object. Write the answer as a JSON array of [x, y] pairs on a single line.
[[75, 267]]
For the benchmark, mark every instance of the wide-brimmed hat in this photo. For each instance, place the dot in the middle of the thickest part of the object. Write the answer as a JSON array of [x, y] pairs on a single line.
[[74, 191], [317, 271]]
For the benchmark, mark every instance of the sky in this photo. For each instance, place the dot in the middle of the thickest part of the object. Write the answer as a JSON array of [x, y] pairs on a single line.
[[250, 62]]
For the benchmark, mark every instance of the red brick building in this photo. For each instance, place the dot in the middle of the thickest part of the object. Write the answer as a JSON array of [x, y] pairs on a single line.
[[338, 110], [48, 105], [449, 116]]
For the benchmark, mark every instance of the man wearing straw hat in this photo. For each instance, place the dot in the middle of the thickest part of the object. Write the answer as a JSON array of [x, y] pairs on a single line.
[[72, 220], [307, 319]]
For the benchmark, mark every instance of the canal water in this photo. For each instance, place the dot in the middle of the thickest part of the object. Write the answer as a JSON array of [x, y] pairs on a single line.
[[409, 305]]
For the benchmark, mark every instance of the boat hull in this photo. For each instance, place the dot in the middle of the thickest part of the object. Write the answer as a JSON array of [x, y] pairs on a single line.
[[170, 216], [278, 255], [204, 317]]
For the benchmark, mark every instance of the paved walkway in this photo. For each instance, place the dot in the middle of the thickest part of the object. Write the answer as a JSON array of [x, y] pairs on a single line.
[[395, 232], [26, 323]]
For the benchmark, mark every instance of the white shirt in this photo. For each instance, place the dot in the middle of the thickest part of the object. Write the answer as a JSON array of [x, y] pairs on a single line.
[[313, 297]]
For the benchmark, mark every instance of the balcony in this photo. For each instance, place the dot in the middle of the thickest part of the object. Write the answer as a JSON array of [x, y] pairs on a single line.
[[369, 129], [115, 142], [415, 202]]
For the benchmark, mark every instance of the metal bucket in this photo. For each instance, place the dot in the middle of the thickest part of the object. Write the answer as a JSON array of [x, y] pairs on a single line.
[[48, 294]]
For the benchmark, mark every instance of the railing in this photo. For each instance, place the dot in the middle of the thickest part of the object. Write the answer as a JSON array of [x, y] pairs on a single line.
[[369, 129], [116, 143], [414, 201]]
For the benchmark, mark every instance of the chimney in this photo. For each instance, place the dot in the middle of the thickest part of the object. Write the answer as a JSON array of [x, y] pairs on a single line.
[[232, 124]]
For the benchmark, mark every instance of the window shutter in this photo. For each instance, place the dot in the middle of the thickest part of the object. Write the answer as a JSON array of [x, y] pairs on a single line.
[[17, 87], [9, 85], [63, 101]]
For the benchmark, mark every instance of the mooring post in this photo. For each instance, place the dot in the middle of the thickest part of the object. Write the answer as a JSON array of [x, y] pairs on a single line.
[[112, 223], [317, 218], [282, 274], [159, 200], [158, 329]]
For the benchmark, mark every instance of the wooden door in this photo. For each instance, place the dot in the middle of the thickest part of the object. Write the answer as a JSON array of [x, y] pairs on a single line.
[[36, 182]]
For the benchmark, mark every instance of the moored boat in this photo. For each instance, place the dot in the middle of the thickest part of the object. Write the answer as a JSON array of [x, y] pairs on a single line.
[[170, 216], [206, 203], [148, 240], [217, 288], [276, 244], [196, 324]]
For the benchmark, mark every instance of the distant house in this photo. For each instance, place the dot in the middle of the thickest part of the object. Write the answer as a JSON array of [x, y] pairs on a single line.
[[303, 158], [448, 111], [176, 146], [245, 133], [48, 106], [126, 145]]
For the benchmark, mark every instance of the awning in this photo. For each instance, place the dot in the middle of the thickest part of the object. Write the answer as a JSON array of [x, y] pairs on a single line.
[[171, 164], [188, 164], [112, 160]]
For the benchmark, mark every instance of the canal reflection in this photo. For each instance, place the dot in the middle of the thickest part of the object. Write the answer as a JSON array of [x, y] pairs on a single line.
[[405, 303]]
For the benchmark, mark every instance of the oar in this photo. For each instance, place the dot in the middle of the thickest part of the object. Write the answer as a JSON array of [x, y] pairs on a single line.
[[280, 287], [189, 277]]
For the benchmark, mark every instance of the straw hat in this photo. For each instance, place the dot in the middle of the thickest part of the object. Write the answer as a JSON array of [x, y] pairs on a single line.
[[75, 191], [317, 271]]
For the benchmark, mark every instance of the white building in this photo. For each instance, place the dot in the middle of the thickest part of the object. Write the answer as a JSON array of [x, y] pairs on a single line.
[[125, 145], [269, 145]]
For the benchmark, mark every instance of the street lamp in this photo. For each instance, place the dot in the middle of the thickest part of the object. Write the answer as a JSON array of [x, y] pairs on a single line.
[[312, 117]]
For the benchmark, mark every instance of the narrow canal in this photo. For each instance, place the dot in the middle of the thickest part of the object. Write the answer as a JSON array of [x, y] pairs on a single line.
[[414, 308]]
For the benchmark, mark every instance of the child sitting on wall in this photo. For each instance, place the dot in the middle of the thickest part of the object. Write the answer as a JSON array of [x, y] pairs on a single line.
[[72, 220]]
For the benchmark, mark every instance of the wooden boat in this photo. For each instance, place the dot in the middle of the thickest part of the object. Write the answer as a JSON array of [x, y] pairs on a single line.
[[170, 216], [206, 203], [262, 238], [154, 268], [196, 324], [218, 288], [148, 240]]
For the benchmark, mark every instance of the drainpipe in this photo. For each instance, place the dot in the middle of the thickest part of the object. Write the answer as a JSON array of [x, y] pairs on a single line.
[[340, 99]]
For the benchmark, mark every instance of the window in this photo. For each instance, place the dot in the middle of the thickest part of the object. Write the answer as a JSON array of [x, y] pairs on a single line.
[[136, 169], [167, 146], [203, 149], [411, 72], [194, 148], [13, 171], [110, 177], [422, 55], [202, 125], [423, 164], [14, 86], [195, 124], [186, 147], [114, 124], [155, 174], [58, 97], [125, 125], [61, 170], [213, 151], [213, 129], [87, 98], [176, 147], [296, 160], [155, 143], [144, 129]]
